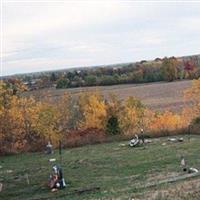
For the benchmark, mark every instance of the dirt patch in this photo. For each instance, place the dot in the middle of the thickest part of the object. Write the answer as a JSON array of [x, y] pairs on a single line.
[[189, 189], [160, 176]]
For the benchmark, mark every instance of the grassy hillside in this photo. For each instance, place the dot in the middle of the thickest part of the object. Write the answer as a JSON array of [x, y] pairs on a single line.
[[119, 172], [158, 96]]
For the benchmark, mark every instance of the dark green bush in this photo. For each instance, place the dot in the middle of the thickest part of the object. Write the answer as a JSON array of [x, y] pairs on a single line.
[[112, 127]]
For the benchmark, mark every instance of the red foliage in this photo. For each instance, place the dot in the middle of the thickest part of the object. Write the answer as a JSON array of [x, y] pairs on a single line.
[[189, 66], [84, 136]]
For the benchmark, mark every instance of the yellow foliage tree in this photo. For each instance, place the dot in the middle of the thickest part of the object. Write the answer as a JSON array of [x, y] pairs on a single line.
[[93, 110], [193, 94], [147, 119], [114, 105], [24, 113], [24, 121], [131, 118], [63, 109], [46, 126], [7, 120], [166, 121], [192, 113]]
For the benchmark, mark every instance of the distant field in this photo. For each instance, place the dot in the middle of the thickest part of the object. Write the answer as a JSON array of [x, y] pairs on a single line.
[[158, 96], [119, 172]]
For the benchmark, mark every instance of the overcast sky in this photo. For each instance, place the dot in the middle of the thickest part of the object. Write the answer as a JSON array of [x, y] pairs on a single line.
[[61, 34]]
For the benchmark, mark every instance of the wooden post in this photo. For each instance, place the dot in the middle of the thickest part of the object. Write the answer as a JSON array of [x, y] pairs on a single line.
[[60, 151], [1, 186], [27, 179], [189, 132]]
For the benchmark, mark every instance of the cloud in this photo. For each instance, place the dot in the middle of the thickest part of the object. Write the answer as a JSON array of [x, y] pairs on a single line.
[[39, 36], [40, 64], [191, 23]]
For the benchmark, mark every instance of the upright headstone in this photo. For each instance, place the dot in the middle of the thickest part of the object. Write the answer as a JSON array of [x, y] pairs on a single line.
[[142, 135], [183, 164], [49, 148]]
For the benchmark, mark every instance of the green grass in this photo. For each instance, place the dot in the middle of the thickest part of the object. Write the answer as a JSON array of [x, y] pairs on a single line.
[[119, 172]]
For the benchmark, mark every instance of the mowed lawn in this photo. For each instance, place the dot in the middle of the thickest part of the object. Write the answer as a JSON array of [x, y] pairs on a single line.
[[114, 171]]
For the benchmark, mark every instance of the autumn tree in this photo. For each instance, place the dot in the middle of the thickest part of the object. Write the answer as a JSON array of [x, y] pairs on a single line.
[[15, 85], [47, 121], [190, 68], [93, 109], [7, 120], [113, 106], [193, 95], [132, 116], [166, 122], [63, 108], [24, 121], [169, 69]]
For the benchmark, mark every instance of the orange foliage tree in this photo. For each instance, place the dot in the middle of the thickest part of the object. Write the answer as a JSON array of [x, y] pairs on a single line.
[[193, 95], [24, 121], [166, 122]]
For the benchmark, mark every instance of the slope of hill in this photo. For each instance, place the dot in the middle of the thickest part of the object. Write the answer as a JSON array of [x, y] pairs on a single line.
[[106, 171], [158, 96]]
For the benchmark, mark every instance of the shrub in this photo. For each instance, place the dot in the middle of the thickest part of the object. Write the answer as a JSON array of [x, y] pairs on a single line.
[[112, 126], [81, 137], [62, 83], [196, 121]]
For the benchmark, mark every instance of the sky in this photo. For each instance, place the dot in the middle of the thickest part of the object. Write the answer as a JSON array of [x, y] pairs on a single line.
[[49, 35]]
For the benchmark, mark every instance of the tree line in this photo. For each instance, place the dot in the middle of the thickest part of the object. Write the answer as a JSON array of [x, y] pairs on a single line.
[[26, 124], [166, 69]]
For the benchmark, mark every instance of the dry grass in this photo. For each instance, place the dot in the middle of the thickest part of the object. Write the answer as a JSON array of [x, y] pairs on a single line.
[[158, 96], [189, 189]]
